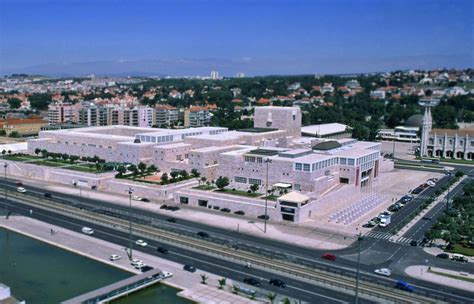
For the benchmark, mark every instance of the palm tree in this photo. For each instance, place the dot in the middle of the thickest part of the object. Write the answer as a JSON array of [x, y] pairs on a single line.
[[234, 289], [286, 301], [204, 278], [222, 283], [271, 296]]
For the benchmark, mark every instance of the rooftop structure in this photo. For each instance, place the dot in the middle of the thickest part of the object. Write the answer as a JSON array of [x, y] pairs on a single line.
[[331, 130]]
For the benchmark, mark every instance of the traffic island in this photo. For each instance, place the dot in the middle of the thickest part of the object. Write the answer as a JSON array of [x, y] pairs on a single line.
[[455, 279]]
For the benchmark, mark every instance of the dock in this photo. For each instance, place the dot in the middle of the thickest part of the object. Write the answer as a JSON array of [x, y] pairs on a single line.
[[121, 288]]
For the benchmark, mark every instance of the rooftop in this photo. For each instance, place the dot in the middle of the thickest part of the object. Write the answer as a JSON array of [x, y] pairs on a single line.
[[324, 129], [258, 130]]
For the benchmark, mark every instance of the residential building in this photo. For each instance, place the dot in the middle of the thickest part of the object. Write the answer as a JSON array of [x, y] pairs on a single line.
[[197, 117], [59, 113], [166, 115], [24, 126]]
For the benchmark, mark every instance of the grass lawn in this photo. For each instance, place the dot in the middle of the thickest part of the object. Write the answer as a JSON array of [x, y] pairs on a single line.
[[456, 161], [204, 187], [20, 157], [457, 277], [240, 192], [459, 248], [418, 165], [48, 163], [85, 168], [272, 197]]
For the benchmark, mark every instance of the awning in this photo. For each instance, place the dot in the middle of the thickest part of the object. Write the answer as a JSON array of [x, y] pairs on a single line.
[[282, 185]]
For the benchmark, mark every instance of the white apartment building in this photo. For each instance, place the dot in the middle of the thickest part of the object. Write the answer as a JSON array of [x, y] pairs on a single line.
[[197, 117], [166, 115]]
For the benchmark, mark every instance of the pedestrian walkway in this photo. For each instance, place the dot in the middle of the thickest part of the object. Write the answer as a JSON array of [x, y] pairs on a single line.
[[378, 235], [403, 240]]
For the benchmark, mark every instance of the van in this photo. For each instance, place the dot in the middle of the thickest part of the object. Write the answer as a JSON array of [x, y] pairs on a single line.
[[458, 257], [87, 230]]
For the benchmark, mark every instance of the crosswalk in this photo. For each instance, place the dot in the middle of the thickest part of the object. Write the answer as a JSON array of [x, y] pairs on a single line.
[[388, 237]]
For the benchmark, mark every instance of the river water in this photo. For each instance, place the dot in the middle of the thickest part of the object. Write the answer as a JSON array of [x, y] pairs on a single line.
[[41, 273]]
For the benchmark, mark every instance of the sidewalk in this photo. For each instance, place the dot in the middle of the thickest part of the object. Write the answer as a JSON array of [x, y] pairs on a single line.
[[99, 250], [422, 273]]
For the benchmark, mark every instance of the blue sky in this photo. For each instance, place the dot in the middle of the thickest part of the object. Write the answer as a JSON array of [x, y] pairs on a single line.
[[186, 37]]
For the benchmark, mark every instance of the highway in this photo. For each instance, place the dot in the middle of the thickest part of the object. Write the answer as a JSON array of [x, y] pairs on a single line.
[[346, 267]]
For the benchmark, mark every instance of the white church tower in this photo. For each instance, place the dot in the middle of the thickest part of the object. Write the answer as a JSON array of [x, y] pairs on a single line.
[[427, 123]]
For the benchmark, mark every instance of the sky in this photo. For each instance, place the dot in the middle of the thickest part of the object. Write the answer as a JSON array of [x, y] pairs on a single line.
[[256, 37]]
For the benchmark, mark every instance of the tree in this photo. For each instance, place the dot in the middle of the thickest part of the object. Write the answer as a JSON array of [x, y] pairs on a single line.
[[204, 278], [203, 179], [184, 174], [121, 170], [254, 188], [195, 172], [174, 174], [142, 167], [14, 134], [222, 182], [39, 101], [44, 153], [3, 132], [4, 152], [65, 157], [14, 103], [152, 169], [164, 178], [286, 301], [73, 158], [37, 151], [222, 283], [271, 296]]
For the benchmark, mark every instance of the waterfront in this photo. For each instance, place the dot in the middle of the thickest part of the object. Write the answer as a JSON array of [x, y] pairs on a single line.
[[41, 273]]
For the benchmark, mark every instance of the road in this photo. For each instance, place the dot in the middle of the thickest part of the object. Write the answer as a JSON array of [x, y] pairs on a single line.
[[344, 265]]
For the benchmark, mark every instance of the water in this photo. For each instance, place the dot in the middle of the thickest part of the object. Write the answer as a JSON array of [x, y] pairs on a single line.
[[41, 273]]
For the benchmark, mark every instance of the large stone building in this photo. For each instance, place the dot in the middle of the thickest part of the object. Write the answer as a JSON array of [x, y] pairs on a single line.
[[451, 143]]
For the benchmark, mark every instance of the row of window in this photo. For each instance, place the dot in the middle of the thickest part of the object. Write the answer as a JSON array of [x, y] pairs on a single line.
[[316, 166], [243, 180], [253, 159], [367, 158], [440, 142], [83, 144]]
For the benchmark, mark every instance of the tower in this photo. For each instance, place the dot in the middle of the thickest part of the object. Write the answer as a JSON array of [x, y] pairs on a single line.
[[427, 123]]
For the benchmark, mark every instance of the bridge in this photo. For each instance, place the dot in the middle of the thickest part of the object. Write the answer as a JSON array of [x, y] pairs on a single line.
[[121, 288]]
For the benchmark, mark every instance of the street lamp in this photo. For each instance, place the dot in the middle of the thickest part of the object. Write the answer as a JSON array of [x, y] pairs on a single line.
[[5, 166], [447, 195], [130, 191], [359, 240], [267, 161]]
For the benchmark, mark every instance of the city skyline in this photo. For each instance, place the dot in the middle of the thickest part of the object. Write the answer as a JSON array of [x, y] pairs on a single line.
[[193, 38]]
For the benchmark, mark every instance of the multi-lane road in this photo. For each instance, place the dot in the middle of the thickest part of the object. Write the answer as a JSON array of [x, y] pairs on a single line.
[[345, 265]]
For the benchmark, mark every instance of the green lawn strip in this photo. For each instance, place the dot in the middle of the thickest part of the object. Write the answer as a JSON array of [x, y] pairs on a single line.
[[271, 197], [418, 165], [204, 187], [452, 276], [240, 192], [48, 163], [21, 158], [457, 161], [459, 248]]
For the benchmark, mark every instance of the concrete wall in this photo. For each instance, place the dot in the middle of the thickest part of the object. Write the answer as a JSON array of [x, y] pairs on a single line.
[[282, 118]]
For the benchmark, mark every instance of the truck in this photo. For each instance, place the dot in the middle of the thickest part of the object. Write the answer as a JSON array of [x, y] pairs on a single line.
[[385, 221]]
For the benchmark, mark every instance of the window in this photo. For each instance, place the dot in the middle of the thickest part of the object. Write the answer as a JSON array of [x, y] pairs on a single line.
[[239, 179], [250, 159], [259, 160], [255, 181], [297, 187], [350, 161], [183, 200], [440, 141], [306, 167], [298, 166]]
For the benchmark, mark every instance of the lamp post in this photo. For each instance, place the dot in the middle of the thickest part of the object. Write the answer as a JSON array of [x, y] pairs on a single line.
[[447, 195], [5, 166], [130, 191], [267, 161], [359, 240]]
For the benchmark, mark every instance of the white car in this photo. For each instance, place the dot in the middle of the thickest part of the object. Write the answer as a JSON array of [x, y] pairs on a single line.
[[383, 271], [21, 190], [139, 265], [115, 257], [431, 183], [141, 243], [135, 261], [387, 213], [136, 198]]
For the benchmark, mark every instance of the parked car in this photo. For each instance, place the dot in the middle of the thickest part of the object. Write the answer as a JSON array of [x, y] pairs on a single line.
[[240, 212], [226, 210], [141, 243], [162, 250], [139, 265], [404, 286], [189, 268], [387, 213], [171, 220], [19, 184], [369, 225], [115, 257], [417, 190], [443, 256], [263, 217], [144, 199], [21, 190], [136, 198], [383, 271], [165, 207], [277, 283], [329, 256], [203, 234], [135, 262], [414, 243], [431, 183], [173, 208], [48, 195], [459, 258], [252, 281]]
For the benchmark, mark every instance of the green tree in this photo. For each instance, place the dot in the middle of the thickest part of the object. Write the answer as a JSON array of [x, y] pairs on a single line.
[[44, 153], [195, 172], [14, 103], [204, 278], [164, 178], [152, 169], [121, 170], [174, 174], [271, 296], [39, 101], [3, 132], [142, 167], [254, 188], [65, 157], [73, 158], [222, 282], [14, 134], [37, 151], [222, 182], [184, 174]]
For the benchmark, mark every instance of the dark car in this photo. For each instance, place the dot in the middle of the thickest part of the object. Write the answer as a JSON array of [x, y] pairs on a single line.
[[171, 220], [189, 268], [252, 281], [144, 199], [240, 212], [164, 207], [226, 210], [417, 190], [162, 250], [329, 256], [404, 286], [203, 234], [368, 225], [277, 283], [173, 208], [146, 268], [426, 218], [263, 217], [443, 256], [48, 195], [414, 243]]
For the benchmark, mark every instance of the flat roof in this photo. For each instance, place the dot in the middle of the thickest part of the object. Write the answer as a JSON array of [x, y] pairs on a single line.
[[258, 130], [266, 152], [324, 129], [294, 197]]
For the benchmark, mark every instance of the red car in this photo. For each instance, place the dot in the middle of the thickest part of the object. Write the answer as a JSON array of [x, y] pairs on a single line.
[[329, 256]]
